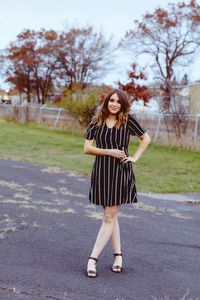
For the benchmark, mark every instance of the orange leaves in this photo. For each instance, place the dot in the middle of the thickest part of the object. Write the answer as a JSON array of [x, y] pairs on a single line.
[[50, 35]]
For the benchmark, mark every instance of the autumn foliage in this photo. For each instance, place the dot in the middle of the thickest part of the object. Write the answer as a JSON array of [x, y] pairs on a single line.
[[169, 38], [32, 63], [136, 90], [39, 61]]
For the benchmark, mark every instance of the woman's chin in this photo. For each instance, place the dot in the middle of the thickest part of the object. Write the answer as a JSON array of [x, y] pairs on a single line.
[[113, 112]]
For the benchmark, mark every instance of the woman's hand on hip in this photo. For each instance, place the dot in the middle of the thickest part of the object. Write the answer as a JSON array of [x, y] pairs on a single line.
[[129, 159]]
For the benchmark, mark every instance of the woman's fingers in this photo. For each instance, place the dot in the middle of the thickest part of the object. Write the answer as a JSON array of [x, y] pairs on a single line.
[[122, 154], [118, 153], [127, 159]]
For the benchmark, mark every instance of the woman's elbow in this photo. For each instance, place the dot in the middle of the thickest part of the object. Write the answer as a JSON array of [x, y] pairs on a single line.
[[148, 139], [86, 149]]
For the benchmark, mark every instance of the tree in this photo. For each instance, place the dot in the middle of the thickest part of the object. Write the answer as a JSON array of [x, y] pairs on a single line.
[[83, 55], [19, 62], [45, 63], [32, 62], [80, 104], [136, 90], [170, 37], [39, 60]]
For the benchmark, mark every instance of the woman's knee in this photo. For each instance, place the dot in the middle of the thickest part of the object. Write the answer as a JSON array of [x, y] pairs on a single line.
[[110, 214]]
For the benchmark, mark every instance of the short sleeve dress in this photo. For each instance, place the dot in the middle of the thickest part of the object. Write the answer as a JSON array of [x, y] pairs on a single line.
[[113, 182]]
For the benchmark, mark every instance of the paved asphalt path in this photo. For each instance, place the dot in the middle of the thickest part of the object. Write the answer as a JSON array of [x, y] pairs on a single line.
[[48, 227]]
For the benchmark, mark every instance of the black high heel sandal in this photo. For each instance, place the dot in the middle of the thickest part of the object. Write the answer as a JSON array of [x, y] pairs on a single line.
[[117, 268], [92, 273]]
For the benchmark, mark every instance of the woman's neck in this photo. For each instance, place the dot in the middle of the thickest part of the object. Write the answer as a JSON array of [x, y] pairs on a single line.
[[112, 117]]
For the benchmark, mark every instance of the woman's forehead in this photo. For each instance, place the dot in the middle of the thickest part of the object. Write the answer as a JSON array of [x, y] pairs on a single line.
[[114, 96]]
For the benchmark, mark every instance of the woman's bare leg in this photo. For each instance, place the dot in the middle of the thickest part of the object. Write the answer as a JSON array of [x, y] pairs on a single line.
[[115, 237], [104, 234]]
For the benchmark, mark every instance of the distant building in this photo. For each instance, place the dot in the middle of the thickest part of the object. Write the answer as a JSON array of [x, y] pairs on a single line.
[[189, 98], [194, 96], [14, 97], [5, 97]]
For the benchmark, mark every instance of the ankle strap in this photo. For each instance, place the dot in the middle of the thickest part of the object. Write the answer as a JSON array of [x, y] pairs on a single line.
[[117, 254], [94, 258]]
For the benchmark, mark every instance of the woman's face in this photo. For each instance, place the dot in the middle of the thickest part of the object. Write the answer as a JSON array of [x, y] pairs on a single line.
[[114, 105]]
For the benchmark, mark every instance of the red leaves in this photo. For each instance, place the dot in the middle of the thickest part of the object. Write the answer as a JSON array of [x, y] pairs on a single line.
[[165, 19], [196, 18], [161, 14], [144, 28], [135, 90], [32, 62]]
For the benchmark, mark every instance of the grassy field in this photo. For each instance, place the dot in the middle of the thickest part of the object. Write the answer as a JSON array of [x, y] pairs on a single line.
[[161, 169]]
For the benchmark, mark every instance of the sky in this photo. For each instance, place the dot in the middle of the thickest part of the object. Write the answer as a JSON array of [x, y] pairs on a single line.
[[112, 17]]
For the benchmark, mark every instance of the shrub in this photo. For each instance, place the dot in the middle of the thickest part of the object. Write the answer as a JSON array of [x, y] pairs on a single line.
[[81, 104]]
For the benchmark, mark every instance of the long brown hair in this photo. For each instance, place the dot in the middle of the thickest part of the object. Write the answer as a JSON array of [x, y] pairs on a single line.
[[122, 115]]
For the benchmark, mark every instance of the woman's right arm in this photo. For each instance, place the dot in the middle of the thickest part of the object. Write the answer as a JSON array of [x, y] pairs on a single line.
[[92, 150]]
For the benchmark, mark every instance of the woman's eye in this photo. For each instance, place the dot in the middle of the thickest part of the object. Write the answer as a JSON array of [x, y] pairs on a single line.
[[113, 100]]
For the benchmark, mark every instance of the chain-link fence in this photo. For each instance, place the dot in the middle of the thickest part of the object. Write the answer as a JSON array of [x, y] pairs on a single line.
[[172, 129], [167, 128]]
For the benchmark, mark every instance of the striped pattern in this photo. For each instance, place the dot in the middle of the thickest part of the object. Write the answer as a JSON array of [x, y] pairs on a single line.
[[112, 182]]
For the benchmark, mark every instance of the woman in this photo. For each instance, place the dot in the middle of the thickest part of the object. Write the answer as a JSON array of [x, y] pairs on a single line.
[[113, 180]]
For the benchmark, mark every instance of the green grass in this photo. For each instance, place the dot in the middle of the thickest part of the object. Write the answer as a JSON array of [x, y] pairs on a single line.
[[161, 169]]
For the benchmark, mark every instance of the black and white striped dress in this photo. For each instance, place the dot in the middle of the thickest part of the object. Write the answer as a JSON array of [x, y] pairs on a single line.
[[113, 182]]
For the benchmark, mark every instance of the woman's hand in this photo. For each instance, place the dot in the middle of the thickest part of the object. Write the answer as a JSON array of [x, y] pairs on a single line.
[[129, 159], [117, 153]]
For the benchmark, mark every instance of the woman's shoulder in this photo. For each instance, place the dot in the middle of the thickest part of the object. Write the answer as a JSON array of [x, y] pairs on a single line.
[[131, 117], [134, 125], [94, 120]]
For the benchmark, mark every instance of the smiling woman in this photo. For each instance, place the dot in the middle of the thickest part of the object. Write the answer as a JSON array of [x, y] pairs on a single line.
[[113, 180]]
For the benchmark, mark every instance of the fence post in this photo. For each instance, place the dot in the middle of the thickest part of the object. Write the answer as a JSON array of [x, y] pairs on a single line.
[[57, 118], [158, 127], [40, 114]]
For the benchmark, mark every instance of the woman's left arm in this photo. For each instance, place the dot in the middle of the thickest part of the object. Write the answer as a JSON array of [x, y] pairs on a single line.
[[144, 142]]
